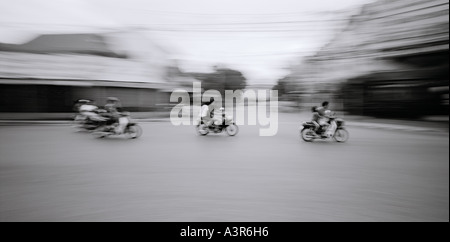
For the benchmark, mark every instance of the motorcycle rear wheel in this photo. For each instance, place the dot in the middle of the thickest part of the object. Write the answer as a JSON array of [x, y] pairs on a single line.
[[307, 135], [202, 129], [99, 134], [77, 123]]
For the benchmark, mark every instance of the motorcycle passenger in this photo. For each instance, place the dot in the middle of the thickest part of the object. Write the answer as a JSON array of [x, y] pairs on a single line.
[[88, 109], [78, 103], [315, 119], [216, 115]]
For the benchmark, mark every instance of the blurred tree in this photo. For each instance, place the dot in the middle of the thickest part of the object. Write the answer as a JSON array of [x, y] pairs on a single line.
[[222, 79], [281, 87]]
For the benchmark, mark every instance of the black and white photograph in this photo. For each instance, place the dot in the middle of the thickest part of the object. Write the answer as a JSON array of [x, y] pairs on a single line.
[[235, 111]]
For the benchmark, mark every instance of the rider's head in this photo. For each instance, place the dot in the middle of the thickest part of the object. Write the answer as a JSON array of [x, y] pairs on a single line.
[[112, 100], [325, 104], [211, 101], [84, 101]]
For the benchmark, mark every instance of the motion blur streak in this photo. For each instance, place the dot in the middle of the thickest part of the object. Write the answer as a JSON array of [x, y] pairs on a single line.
[[381, 65]]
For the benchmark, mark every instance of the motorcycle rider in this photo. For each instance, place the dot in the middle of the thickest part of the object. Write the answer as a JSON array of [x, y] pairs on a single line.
[[324, 120], [207, 113], [114, 108], [327, 121]]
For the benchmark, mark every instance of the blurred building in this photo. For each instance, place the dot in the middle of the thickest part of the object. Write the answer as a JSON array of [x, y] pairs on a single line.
[[48, 73], [391, 59]]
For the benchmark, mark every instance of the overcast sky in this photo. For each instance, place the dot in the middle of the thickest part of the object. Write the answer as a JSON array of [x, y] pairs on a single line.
[[259, 37]]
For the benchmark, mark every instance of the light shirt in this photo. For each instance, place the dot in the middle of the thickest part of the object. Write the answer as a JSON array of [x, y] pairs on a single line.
[[87, 108], [204, 112]]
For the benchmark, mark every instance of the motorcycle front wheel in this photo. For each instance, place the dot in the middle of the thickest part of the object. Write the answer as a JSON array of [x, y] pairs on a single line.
[[134, 131], [232, 129], [307, 135], [341, 135]]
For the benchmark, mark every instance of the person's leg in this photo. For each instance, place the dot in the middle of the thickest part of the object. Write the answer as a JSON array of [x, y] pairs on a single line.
[[317, 126], [217, 121], [210, 122], [323, 126], [207, 121], [123, 121]]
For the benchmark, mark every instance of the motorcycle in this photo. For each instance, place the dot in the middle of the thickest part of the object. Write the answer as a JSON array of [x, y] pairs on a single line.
[[335, 130], [130, 128], [226, 124]]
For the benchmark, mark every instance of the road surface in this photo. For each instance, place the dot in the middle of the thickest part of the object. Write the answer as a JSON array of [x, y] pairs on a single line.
[[51, 173]]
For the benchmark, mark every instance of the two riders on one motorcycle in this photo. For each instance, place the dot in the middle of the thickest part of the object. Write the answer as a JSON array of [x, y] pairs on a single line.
[[111, 114], [324, 125], [323, 119], [208, 115], [213, 119]]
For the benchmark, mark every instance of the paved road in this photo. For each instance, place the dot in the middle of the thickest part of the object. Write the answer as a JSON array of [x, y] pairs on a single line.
[[50, 173]]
